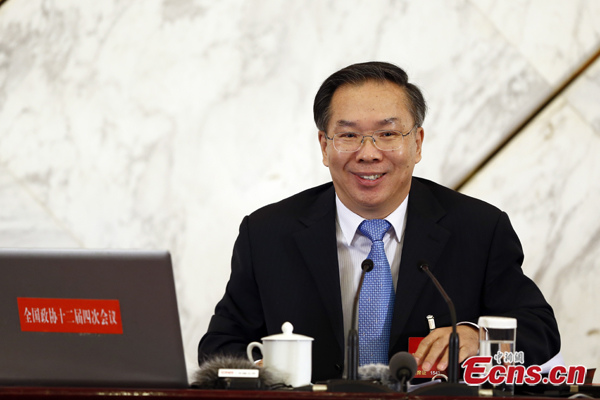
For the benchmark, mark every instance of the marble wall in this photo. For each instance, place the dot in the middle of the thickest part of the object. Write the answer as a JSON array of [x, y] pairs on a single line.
[[161, 123], [547, 180]]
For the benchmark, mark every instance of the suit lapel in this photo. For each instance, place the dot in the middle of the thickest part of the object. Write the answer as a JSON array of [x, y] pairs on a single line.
[[318, 246], [424, 241]]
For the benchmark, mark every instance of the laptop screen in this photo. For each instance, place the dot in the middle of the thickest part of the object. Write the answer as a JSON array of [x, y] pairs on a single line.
[[89, 318]]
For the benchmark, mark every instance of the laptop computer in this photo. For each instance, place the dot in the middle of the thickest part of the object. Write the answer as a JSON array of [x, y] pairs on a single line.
[[89, 318]]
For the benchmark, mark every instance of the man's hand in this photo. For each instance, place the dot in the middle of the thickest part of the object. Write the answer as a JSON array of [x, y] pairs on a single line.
[[435, 346]]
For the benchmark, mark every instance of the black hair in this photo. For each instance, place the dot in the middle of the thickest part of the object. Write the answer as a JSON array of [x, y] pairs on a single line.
[[359, 73]]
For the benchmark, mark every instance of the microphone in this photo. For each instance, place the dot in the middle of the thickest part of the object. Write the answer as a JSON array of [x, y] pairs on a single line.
[[452, 387], [352, 345], [207, 375], [403, 367], [453, 344], [352, 384]]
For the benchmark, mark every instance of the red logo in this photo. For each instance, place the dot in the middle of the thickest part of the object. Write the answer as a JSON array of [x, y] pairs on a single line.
[[70, 315]]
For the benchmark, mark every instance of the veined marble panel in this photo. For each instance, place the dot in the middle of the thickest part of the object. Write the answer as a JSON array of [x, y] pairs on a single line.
[[24, 222], [571, 31], [547, 180], [584, 95], [160, 123]]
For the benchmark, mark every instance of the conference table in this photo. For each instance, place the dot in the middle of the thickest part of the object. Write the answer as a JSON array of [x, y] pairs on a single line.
[[74, 393]]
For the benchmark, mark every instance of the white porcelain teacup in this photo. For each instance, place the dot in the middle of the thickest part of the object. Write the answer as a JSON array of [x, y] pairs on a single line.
[[287, 354]]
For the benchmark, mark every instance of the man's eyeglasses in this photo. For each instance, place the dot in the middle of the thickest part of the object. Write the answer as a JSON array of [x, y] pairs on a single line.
[[384, 140]]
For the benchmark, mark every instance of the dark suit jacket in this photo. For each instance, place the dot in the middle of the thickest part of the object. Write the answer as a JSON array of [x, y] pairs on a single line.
[[285, 268]]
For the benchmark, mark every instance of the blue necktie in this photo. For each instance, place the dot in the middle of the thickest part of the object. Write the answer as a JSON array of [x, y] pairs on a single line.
[[376, 304]]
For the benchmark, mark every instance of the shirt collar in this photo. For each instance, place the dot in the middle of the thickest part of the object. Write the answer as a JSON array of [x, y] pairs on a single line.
[[349, 221]]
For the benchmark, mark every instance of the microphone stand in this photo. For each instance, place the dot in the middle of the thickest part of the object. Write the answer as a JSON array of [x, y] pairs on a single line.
[[352, 384], [352, 345], [453, 343], [452, 388]]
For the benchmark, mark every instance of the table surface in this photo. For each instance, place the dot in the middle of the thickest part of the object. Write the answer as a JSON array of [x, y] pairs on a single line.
[[75, 393]]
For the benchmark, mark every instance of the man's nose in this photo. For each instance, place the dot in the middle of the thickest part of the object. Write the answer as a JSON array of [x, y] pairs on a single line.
[[368, 151]]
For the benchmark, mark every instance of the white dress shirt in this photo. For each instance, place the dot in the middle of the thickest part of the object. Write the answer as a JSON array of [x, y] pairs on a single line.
[[353, 248]]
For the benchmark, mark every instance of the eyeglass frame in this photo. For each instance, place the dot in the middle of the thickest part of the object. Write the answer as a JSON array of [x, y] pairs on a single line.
[[372, 136]]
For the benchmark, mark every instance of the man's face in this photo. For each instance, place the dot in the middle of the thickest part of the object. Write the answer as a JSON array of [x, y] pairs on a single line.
[[371, 182]]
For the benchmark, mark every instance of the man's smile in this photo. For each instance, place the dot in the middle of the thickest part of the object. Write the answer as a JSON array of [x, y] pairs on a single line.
[[370, 176]]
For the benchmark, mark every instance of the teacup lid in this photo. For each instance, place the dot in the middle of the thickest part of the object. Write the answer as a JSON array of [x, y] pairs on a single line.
[[287, 334]]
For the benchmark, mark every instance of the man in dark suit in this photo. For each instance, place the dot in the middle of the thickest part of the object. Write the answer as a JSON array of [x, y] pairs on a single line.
[[299, 260]]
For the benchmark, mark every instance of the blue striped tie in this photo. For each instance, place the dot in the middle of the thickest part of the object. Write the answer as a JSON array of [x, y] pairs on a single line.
[[376, 304]]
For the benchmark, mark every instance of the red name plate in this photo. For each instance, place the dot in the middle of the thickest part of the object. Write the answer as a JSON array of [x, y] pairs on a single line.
[[70, 315], [413, 344]]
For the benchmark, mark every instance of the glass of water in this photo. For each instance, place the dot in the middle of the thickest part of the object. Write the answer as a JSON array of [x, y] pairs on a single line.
[[497, 337]]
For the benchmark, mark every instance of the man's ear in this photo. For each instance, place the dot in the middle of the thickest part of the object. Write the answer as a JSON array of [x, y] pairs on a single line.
[[419, 137], [324, 150]]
